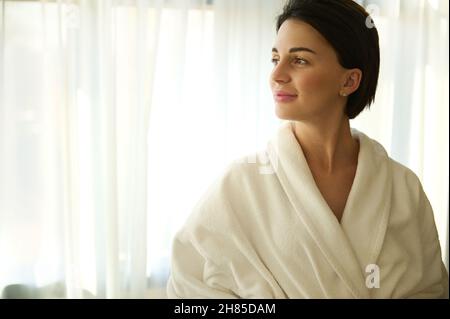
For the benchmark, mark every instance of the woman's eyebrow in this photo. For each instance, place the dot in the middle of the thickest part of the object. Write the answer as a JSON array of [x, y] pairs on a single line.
[[292, 50]]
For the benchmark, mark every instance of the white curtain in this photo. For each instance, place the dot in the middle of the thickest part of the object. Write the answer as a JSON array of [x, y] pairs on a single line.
[[116, 115], [76, 90]]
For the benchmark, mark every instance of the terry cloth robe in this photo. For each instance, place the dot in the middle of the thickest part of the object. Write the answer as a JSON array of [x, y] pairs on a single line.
[[263, 230]]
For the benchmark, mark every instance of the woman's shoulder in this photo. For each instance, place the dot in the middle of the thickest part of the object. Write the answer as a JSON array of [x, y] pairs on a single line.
[[405, 178], [237, 181], [405, 182], [401, 174], [407, 188], [243, 172], [217, 220]]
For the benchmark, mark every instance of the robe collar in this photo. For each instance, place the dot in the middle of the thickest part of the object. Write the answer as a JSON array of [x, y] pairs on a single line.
[[355, 243]]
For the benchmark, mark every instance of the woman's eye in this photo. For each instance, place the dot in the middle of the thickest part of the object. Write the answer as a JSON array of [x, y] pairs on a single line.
[[296, 61], [300, 61]]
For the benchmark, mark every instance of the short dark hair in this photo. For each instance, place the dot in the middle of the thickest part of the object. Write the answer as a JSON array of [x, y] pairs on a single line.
[[344, 24]]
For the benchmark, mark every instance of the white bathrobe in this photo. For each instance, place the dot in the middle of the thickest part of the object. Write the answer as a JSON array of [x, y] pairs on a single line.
[[263, 230]]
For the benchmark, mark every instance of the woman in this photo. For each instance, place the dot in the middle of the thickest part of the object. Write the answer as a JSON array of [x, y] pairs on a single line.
[[330, 215]]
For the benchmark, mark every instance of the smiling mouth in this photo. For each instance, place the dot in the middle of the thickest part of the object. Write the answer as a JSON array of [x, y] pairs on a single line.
[[285, 98]]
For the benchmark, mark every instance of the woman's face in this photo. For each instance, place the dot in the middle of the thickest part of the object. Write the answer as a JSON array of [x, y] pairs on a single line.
[[305, 66]]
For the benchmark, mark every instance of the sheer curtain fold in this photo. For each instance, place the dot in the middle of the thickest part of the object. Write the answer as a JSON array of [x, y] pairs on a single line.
[[87, 155], [116, 115], [244, 34]]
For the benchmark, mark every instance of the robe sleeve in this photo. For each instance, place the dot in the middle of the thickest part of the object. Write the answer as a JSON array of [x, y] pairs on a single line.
[[199, 267], [435, 278], [195, 275], [211, 255]]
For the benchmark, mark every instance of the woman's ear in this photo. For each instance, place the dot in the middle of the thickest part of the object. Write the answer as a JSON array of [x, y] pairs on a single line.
[[352, 81]]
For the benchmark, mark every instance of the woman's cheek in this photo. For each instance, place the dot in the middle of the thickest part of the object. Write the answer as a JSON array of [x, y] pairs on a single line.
[[312, 83]]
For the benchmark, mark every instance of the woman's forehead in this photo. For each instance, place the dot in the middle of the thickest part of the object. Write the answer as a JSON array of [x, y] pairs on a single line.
[[298, 34]]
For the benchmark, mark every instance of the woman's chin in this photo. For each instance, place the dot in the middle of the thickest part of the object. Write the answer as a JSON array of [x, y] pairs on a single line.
[[284, 114]]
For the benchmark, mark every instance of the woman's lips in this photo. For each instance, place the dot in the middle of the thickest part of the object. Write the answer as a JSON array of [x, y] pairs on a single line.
[[284, 98]]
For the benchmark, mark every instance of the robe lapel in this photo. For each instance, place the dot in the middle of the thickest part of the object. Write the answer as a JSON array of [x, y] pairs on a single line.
[[366, 214], [294, 174]]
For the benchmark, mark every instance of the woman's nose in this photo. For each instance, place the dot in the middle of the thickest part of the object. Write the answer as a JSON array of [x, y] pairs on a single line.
[[280, 74]]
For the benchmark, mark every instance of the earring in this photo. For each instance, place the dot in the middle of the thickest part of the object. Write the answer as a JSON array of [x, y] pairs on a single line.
[[343, 93]]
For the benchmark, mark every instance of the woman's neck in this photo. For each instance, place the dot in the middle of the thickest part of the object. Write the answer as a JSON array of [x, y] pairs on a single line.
[[328, 146]]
